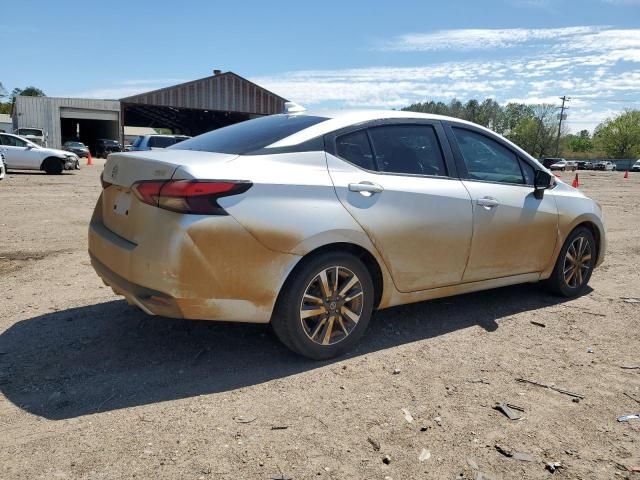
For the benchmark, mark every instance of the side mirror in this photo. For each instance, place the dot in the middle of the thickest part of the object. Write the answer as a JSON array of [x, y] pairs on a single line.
[[541, 182]]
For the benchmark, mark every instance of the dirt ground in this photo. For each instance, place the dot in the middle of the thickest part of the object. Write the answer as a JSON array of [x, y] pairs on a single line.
[[91, 388]]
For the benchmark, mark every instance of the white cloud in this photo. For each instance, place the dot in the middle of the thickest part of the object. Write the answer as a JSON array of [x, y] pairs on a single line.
[[483, 38], [126, 88]]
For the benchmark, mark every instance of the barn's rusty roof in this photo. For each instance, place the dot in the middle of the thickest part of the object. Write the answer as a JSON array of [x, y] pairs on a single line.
[[222, 92]]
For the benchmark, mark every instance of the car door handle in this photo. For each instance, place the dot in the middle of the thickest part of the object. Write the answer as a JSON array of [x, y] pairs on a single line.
[[487, 202], [366, 187]]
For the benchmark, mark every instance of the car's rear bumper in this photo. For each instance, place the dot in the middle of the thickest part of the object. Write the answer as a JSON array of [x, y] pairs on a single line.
[[203, 268]]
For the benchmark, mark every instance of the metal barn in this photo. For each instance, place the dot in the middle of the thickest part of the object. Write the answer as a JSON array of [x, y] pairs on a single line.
[[65, 119], [202, 105]]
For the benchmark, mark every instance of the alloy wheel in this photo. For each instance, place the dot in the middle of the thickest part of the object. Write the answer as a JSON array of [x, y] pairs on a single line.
[[331, 305], [577, 262]]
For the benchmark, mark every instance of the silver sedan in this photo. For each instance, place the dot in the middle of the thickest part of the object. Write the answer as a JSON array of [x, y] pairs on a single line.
[[312, 221]]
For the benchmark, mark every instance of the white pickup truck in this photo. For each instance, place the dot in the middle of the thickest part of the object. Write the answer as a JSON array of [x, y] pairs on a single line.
[[22, 154]]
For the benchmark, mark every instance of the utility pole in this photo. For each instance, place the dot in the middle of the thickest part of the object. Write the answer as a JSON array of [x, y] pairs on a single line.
[[564, 99]]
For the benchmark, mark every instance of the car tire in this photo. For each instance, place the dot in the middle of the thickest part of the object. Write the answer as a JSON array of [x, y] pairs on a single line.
[[52, 166], [568, 278], [332, 332]]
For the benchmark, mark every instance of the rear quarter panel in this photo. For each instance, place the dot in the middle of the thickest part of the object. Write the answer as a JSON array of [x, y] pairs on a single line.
[[292, 206]]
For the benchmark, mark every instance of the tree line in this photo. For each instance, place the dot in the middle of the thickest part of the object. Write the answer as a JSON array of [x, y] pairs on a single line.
[[6, 99], [535, 128]]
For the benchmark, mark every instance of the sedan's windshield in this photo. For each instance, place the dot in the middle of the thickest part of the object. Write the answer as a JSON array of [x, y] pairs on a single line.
[[75, 144], [249, 136], [30, 131]]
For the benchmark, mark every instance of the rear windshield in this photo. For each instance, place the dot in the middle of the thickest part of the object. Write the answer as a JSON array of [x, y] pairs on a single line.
[[161, 142], [251, 135]]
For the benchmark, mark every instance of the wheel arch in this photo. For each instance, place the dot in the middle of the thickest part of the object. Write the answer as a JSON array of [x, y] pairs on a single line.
[[370, 261]]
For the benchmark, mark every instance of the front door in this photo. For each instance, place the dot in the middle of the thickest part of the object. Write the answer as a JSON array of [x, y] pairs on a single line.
[[513, 232], [394, 181], [18, 154]]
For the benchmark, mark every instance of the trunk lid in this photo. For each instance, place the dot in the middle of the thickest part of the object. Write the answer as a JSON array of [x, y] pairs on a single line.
[[122, 212]]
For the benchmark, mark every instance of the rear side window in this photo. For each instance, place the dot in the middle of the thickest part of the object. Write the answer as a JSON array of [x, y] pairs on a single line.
[[485, 159], [161, 142], [251, 135], [412, 149], [354, 148]]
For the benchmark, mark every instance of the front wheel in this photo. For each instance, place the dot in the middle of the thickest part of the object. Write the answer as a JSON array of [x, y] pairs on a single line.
[[325, 306], [52, 166], [574, 264]]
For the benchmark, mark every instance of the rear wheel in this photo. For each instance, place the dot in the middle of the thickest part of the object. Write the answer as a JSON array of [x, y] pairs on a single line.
[[52, 166], [574, 264], [325, 306]]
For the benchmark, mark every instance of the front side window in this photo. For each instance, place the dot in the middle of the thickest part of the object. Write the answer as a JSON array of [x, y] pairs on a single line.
[[412, 149], [485, 159], [13, 141], [354, 148]]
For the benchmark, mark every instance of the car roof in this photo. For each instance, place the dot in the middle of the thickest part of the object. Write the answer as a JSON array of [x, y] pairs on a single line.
[[337, 119]]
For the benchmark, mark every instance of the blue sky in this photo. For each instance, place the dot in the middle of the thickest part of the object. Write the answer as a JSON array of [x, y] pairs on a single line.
[[343, 54]]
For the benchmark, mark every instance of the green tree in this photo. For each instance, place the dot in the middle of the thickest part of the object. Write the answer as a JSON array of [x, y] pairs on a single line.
[[29, 91], [619, 137]]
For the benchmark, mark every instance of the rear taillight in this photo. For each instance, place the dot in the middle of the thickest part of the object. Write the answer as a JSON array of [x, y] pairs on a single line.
[[198, 197]]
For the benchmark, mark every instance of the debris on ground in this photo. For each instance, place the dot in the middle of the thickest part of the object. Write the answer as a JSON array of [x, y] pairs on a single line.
[[241, 419], [551, 387], [396, 371], [630, 367], [511, 411], [538, 324], [631, 397], [374, 443], [386, 459], [630, 299], [424, 455], [407, 415], [472, 464], [279, 427], [524, 457], [479, 380], [631, 416], [552, 466], [589, 350], [438, 421], [507, 452]]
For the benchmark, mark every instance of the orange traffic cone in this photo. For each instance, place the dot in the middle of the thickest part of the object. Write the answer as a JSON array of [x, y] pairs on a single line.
[[576, 182], [626, 174], [89, 159]]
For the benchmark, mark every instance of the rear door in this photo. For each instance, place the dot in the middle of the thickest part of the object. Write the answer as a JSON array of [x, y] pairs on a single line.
[[513, 232], [397, 179]]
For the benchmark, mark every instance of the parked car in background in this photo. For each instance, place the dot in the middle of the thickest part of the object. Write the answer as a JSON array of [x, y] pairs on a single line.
[[636, 166], [563, 165], [35, 135], [153, 142], [608, 166], [548, 161], [106, 146], [79, 148], [312, 221], [21, 154], [584, 165], [3, 168]]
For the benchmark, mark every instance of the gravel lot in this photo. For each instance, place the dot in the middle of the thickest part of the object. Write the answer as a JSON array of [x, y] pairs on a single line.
[[91, 388]]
